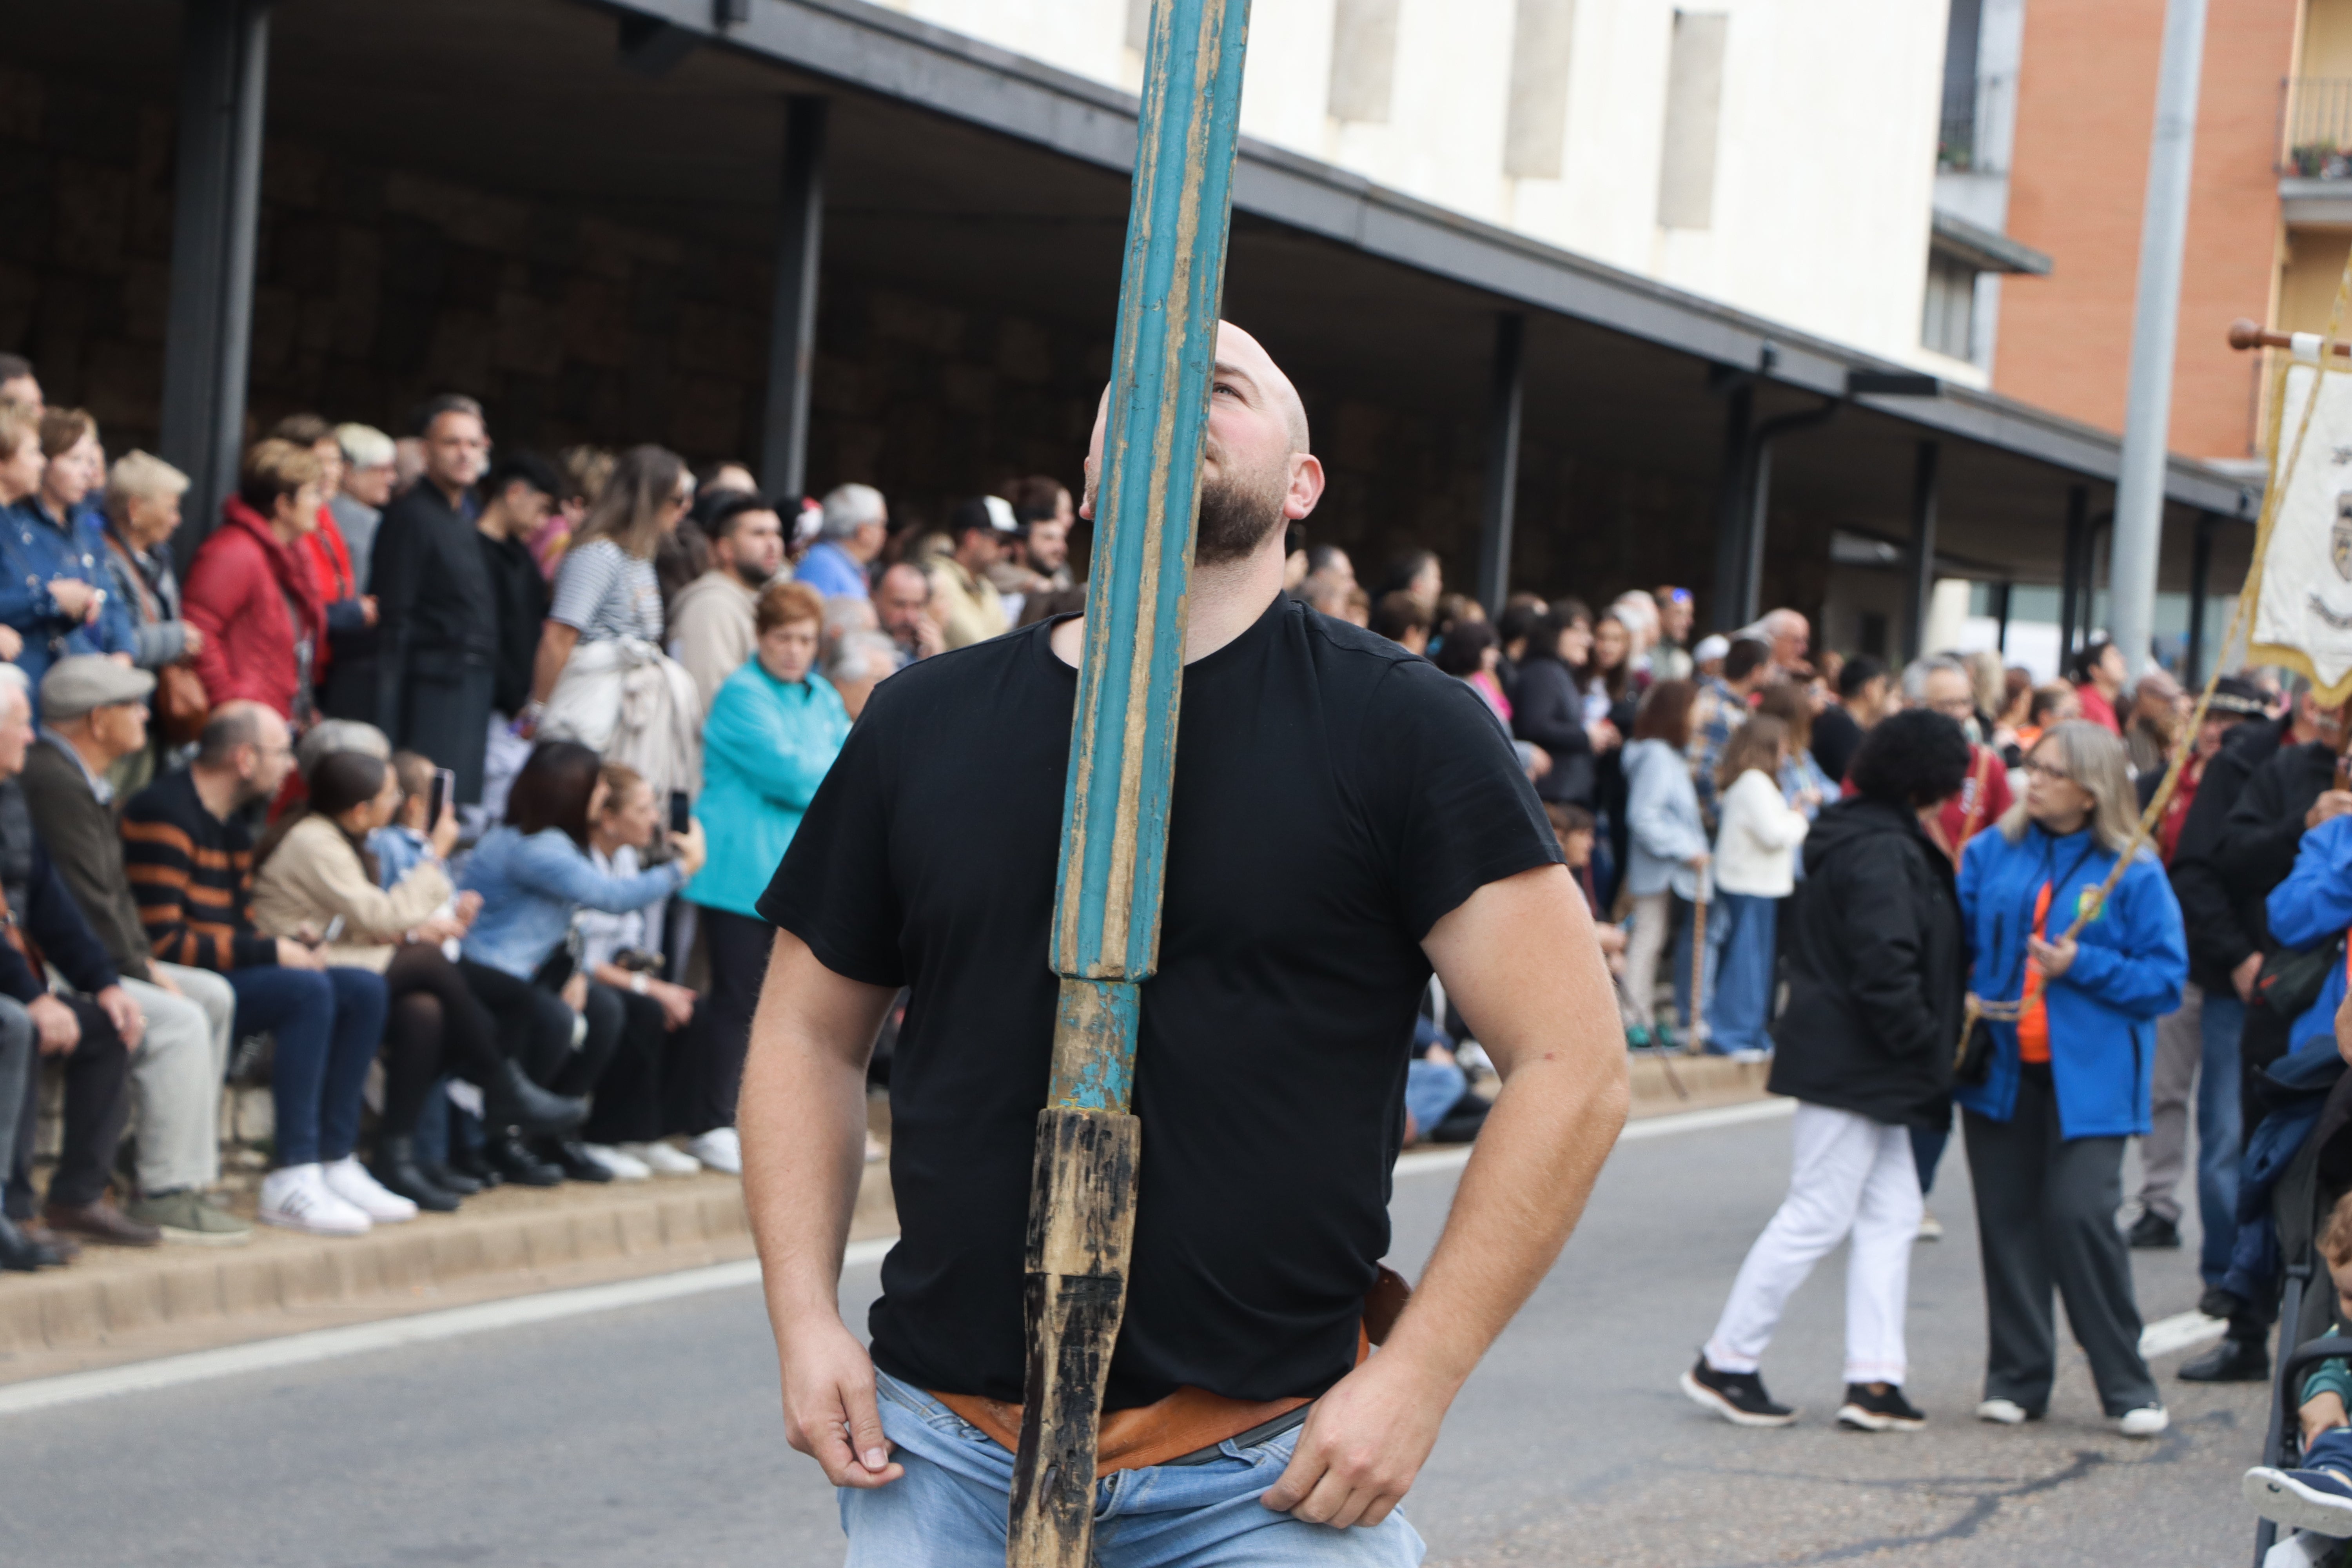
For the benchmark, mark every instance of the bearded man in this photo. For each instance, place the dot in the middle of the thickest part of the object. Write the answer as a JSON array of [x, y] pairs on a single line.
[[1345, 819]]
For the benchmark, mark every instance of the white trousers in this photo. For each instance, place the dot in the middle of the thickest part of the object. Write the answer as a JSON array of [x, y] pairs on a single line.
[[1850, 1177], [175, 1076]]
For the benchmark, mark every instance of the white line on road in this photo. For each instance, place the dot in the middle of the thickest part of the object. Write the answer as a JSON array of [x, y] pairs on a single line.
[[1427, 1160], [328, 1344]]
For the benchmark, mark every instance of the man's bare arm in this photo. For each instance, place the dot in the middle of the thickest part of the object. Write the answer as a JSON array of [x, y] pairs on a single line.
[[1521, 961], [801, 1114]]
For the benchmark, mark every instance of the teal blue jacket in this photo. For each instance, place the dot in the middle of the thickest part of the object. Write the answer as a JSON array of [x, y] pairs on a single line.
[[766, 746]]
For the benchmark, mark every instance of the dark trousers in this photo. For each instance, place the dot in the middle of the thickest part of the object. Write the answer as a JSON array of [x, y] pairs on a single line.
[[2046, 1216], [98, 1103], [436, 1028], [738, 947], [533, 1024], [328, 1024], [637, 1095]]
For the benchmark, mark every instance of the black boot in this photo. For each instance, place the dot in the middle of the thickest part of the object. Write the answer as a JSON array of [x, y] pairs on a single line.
[[519, 1165], [473, 1166], [511, 1100], [449, 1179], [396, 1167], [2232, 1361], [22, 1253], [571, 1157]]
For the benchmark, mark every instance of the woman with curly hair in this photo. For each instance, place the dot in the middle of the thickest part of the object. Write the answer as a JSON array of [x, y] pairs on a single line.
[[1877, 974]]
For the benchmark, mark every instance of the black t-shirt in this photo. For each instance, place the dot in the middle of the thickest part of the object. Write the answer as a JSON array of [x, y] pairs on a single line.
[[1334, 797]]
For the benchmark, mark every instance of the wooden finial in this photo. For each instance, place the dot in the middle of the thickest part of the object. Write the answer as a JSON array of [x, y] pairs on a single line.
[[2246, 334]]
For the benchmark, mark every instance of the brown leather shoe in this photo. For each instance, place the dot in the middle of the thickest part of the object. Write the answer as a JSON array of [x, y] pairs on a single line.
[[65, 1247], [101, 1221]]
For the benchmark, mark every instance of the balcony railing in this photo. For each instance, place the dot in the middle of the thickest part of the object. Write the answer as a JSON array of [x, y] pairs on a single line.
[[2316, 140]]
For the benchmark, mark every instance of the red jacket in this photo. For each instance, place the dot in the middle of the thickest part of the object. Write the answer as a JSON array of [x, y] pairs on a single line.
[[330, 559], [244, 593]]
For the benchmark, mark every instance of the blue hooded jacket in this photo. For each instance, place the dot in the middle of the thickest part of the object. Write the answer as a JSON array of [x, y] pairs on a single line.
[[2314, 905], [2130, 962]]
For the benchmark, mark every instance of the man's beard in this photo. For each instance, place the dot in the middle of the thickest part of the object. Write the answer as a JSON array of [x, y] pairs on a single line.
[[1236, 517], [751, 576]]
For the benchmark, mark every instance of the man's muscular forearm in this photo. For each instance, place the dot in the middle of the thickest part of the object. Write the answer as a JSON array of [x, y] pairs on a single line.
[[1521, 962], [801, 1112]]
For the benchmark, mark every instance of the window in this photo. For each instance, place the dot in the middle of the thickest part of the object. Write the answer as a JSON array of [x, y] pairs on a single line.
[[1536, 126], [1363, 58], [1948, 321], [1139, 26], [1694, 111]]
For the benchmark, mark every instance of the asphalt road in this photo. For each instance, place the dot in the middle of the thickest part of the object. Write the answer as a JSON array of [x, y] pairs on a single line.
[[649, 1435]]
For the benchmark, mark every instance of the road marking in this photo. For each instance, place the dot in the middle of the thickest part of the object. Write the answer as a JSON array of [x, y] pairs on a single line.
[[329, 1344], [1432, 1159], [2179, 1333]]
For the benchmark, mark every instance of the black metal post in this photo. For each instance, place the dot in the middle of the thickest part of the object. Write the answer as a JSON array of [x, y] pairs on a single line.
[[2002, 594], [2072, 598], [1502, 403], [791, 327], [1760, 503], [1921, 589], [215, 223], [1732, 513], [2200, 574]]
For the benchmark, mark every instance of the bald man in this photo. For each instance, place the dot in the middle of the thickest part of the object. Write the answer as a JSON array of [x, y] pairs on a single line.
[[1345, 820]]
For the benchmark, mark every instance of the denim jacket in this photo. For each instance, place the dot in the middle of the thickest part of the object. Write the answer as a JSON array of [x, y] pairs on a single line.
[[37, 548], [530, 887], [1663, 816]]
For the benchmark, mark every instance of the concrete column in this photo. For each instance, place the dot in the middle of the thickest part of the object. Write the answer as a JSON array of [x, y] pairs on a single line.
[[1921, 587], [1503, 398], [791, 327], [1732, 512], [216, 220]]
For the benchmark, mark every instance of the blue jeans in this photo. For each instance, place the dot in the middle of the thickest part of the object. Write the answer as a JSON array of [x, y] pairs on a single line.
[[2220, 1133], [1742, 1004], [328, 1024], [948, 1510], [2331, 1449], [1430, 1089]]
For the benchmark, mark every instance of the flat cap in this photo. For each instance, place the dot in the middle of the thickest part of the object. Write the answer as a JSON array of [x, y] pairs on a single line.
[[82, 681]]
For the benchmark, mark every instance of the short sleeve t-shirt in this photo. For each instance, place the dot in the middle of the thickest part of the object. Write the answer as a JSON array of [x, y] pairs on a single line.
[[1334, 797], [604, 592]]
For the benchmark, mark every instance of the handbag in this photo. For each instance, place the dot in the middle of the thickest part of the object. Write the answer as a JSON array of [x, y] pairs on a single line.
[[2292, 978], [180, 705]]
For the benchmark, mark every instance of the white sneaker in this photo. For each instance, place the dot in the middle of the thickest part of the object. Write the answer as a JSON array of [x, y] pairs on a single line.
[[624, 1167], [663, 1159], [719, 1148], [875, 1150], [2145, 1422], [1931, 1230], [349, 1180], [295, 1197], [2003, 1412]]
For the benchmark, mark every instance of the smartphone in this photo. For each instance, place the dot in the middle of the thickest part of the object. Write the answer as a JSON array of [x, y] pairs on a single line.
[[444, 790], [681, 812]]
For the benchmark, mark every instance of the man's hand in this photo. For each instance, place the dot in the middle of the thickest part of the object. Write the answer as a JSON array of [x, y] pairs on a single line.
[[123, 1014], [12, 643], [2242, 978], [2323, 1412], [677, 1001], [2332, 803], [368, 611], [1363, 1444], [830, 1412], [73, 598], [292, 955], [54, 1022]]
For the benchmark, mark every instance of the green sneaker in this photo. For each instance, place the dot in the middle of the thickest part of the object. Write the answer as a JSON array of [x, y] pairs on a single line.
[[188, 1218]]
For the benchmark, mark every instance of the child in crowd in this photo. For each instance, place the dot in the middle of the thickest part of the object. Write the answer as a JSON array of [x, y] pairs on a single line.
[[401, 843], [1575, 828], [2316, 1495], [1755, 861]]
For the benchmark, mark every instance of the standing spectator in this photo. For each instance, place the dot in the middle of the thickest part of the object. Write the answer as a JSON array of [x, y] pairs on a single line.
[[1861, 702], [250, 593], [1042, 507], [1670, 658], [518, 493], [96, 715], [1802, 782], [19, 385], [2016, 708], [437, 660], [346, 675], [190, 855], [1874, 995], [1417, 573], [772, 736], [903, 608], [1755, 855], [1943, 684], [142, 514], [1788, 636], [606, 589], [858, 663], [2049, 705], [856, 522], [1470, 655], [20, 475], [366, 490], [1669, 850], [2098, 674], [1723, 703], [1547, 707], [2068, 1080], [967, 603], [713, 618], [2154, 727], [52, 576], [1403, 620], [585, 472]]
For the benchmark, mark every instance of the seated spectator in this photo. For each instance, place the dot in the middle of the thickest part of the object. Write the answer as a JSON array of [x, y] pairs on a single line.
[[20, 1252], [1403, 620], [190, 858], [662, 1031], [970, 609], [251, 595], [96, 715], [534, 874], [857, 524], [855, 665], [358, 504], [52, 578], [521, 490], [2315, 1495], [903, 608], [406, 841], [313, 883], [713, 616], [95, 1026], [773, 734]]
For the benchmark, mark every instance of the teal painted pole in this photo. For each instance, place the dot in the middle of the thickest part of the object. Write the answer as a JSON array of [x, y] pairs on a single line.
[[1122, 762]]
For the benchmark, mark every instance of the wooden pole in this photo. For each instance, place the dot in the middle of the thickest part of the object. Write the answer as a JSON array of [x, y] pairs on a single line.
[[1122, 762]]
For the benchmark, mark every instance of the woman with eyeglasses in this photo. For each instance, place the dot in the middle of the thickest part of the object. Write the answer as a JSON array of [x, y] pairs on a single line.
[[2073, 1023]]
